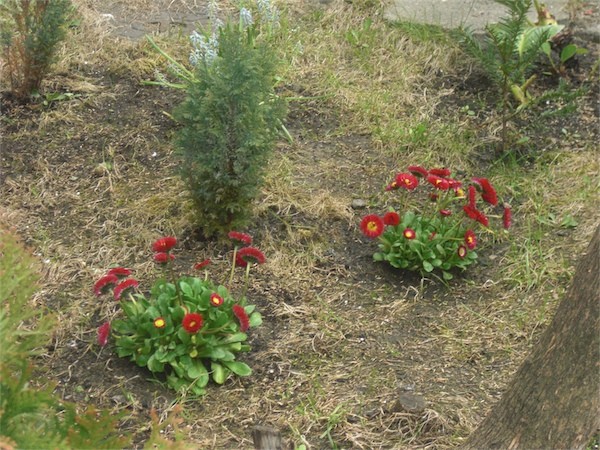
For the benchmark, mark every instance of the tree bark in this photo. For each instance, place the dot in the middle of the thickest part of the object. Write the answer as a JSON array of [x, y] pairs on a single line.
[[553, 401]]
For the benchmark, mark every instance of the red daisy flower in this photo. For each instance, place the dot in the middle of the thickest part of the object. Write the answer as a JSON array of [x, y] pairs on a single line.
[[418, 170], [202, 264], [103, 333], [507, 217], [123, 286], [409, 233], [372, 225], [445, 212], [472, 194], [470, 239], [164, 244], [443, 172], [163, 257], [251, 255], [119, 271], [242, 238], [242, 317], [391, 218], [216, 300], [192, 322], [462, 251], [103, 282], [438, 182], [159, 322], [488, 193], [407, 181]]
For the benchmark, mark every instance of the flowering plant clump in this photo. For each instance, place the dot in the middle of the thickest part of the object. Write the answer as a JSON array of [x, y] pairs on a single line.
[[441, 235], [189, 328]]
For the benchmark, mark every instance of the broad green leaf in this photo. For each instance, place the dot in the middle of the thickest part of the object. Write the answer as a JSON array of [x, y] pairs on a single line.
[[568, 52], [218, 373], [196, 370], [236, 337], [186, 289], [239, 368], [255, 319], [447, 275], [427, 266]]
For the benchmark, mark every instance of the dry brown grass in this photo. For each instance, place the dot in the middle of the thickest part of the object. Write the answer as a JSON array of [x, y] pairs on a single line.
[[90, 184]]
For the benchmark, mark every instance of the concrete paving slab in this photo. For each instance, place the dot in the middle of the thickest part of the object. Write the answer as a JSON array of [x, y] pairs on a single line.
[[454, 13]]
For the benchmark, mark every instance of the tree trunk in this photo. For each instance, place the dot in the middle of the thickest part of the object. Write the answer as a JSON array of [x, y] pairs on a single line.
[[553, 401]]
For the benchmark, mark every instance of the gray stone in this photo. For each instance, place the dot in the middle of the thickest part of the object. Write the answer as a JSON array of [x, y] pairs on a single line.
[[359, 203], [410, 403], [454, 13]]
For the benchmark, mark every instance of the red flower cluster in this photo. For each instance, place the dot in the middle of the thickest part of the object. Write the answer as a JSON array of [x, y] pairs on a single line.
[[242, 317], [107, 280], [192, 322], [112, 279]]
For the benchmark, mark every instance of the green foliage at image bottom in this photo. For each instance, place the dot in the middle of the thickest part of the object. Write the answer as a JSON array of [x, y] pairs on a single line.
[[34, 417]]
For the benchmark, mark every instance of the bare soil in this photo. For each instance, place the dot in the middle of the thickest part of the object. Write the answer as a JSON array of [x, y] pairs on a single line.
[[347, 345]]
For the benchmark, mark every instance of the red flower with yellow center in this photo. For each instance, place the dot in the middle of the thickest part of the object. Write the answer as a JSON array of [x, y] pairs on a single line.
[[391, 218], [407, 181], [372, 226], [470, 239], [242, 317], [462, 251], [216, 300], [438, 182], [159, 322], [192, 322], [164, 244], [409, 233]]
